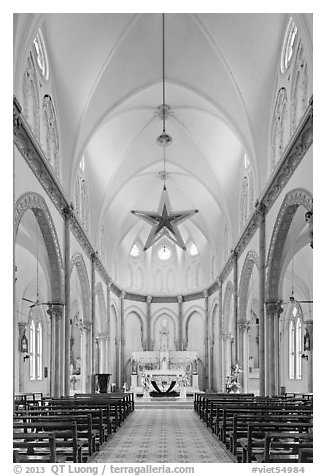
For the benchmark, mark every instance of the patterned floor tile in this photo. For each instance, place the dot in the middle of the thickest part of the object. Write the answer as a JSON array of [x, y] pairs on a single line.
[[162, 436]]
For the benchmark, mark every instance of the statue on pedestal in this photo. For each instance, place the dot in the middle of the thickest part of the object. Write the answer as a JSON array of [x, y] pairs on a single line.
[[133, 366], [195, 367]]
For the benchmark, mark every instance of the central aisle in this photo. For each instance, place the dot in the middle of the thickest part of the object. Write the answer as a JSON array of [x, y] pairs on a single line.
[[163, 435]]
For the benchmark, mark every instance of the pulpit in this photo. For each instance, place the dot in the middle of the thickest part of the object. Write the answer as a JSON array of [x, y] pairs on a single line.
[[101, 382]]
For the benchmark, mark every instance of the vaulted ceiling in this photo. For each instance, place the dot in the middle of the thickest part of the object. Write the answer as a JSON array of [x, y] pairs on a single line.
[[220, 72]]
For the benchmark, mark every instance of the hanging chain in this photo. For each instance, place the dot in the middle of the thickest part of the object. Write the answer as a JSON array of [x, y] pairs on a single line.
[[163, 68]]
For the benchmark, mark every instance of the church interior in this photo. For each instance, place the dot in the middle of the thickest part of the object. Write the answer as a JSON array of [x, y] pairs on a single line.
[[163, 234]]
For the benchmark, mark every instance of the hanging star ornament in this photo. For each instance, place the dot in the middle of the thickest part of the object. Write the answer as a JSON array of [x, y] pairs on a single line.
[[164, 222]]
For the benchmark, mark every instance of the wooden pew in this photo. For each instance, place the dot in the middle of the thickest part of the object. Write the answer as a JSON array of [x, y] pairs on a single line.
[[253, 444], [99, 427], [241, 421], [67, 443], [305, 455], [229, 424], [85, 432], [36, 448], [284, 447]]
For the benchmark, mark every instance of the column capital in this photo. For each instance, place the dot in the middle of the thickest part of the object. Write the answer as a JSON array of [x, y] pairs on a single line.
[[94, 255], [122, 294], [234, 254], [179, 299], [273, 308], [55, 311], [242, 325], [260, 208], [149, 299], [68, 211], [103, 336], [87, 325], [309, 221], [205, 293]]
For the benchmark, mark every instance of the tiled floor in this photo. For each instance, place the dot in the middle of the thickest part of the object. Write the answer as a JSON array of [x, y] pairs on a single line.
[[163, 436]]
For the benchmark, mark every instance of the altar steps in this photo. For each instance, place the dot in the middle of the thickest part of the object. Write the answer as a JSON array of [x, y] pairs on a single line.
[[167, 403]]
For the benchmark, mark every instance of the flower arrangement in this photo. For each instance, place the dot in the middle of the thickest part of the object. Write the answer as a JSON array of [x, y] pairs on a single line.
[[182, 381], [145, 383], [232, 384]]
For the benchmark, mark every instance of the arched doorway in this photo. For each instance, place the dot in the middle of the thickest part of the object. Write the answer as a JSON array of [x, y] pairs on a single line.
[[249, 324], [80, 326], [289, 247], [39, 279]]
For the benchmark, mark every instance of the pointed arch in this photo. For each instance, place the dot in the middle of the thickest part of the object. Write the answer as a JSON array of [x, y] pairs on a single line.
[[99, 296], [251, 260], [292, 200], [36, 203], [78, 261], [226, 306]]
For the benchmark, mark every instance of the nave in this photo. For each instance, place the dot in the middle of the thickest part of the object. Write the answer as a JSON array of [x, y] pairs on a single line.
[[163, 434], [155, 260]]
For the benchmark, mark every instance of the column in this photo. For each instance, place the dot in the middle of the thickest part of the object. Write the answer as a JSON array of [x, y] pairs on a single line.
[[122, 340], [211, 356], [308, 349], [261, 299], [108, 316], [235, 305], [66, 347], [118, 362], [309, 221], [89, 379], [277, 347], [149, 345], [56, 314], [273, 311], [242, 328], [220, 387], [180, 337], [93, 349], [206, 358], [21, 330]]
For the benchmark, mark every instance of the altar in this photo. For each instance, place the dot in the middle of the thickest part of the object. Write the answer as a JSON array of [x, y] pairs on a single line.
[[152, 369]]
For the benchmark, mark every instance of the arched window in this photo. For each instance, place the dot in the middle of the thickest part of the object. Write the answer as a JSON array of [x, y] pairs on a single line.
[[226, 242], [81, 196], [102, 242], [35, 350], [39, 344], [192, 249], [50, 141], [277, 144], [41, 56], [299, 88], [84, 204], [247, 192], [31, 97], [244, 202], [135, 250], [295, 343], [288, 45], [32, 350]]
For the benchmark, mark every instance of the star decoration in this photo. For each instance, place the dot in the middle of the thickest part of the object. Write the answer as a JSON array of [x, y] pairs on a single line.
[[164, 222]]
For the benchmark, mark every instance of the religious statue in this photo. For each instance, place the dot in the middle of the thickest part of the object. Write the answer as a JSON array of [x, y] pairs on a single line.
[[306, 341], [164, 336], [133, 366], [195, 367]]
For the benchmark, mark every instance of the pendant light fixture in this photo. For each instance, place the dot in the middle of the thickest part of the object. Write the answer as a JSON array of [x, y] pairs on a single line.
[[164, 222]]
